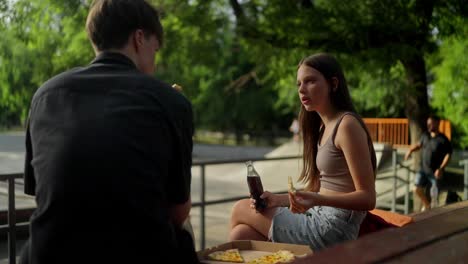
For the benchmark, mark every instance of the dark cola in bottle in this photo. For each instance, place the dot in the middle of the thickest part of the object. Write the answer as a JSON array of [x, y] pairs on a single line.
[[255, 186]]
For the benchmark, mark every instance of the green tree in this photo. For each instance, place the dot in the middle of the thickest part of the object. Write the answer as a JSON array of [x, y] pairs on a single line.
[[236, 59], [450, 90], [204, 55], [40, 38], [390, 34], [16, 76]]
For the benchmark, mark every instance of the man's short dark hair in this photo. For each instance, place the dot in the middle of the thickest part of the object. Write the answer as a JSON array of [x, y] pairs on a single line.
[[110, 22], [434, 117]]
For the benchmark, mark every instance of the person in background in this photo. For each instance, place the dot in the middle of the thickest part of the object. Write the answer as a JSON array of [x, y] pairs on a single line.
[[109, 151], [294, 128], [339, 166], [435, 155]]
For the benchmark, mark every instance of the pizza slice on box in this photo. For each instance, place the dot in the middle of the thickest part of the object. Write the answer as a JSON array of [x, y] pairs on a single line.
[[279, 256], [230, 255]]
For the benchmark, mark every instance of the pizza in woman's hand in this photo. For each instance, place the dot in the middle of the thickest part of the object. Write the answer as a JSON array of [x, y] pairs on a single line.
[[291, 188]]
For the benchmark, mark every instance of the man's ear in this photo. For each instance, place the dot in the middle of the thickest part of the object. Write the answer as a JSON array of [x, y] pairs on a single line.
[[137, 39], [335, 83]]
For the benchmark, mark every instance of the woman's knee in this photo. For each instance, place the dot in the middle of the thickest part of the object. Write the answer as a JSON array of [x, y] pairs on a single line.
[[245, 232], [240, 208], [241, 205], [238, 232]]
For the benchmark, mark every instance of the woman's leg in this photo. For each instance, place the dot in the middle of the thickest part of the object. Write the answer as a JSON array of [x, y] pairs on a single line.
[[247, 224], [245, 232]]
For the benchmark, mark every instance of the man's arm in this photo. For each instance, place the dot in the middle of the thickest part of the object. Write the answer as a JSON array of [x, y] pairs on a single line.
[[29, 179], [439, 171], [412, 149], [448, 150], [179, 188], [445, 161], [180, 212]]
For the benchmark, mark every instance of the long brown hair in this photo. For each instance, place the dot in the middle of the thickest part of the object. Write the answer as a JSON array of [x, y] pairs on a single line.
[[310, 122]]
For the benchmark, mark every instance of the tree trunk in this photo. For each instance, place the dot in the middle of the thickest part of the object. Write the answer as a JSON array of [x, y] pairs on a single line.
[[417, 102]]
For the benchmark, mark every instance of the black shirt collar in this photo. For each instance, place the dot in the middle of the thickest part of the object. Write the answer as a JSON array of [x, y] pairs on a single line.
[[113, 58]]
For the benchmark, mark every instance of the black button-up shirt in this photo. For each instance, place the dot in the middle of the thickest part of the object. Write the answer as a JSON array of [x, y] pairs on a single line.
[[108, 152]]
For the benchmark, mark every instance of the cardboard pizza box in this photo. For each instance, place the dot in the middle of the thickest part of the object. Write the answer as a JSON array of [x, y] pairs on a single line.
[[251, 249]]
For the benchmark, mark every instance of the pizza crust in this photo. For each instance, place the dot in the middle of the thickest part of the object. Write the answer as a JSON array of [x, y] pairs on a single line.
[[291, 186]]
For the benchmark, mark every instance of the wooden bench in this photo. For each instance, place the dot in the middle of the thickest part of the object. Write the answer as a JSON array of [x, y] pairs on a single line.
[[436, 236]]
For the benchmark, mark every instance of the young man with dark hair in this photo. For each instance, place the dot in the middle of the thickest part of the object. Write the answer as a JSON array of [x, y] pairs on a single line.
[[108, 151], [435, 155]]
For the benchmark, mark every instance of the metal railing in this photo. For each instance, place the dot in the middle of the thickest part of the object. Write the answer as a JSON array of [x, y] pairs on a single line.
[[395, 131], [10, 228], [464, 163], [203, 203]]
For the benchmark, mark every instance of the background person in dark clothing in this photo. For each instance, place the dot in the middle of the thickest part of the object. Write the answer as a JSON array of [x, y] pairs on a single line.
[[108, 151], [435, 155]]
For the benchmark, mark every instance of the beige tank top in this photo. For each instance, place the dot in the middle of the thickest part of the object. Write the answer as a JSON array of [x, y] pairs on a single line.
[[331, 163]]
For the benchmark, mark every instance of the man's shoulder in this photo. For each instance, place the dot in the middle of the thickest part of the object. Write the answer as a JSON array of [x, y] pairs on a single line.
[[445, 141], [165, 92], [56, 81], [425, 136], [443, 137], [138, 82]]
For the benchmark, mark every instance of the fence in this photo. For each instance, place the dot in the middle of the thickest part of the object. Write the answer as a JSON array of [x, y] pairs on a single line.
[[11, 226], [395, 131]]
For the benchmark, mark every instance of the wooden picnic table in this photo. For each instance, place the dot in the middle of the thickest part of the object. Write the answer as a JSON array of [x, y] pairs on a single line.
[[436, 236]]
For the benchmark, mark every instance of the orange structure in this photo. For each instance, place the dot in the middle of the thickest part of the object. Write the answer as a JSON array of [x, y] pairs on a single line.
[[395, 131]]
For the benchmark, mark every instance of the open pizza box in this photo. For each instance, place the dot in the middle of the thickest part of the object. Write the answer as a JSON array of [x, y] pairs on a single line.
[[251, 249]]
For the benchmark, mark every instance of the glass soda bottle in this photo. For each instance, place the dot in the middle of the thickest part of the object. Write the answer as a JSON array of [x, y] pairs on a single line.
[[255, 186]]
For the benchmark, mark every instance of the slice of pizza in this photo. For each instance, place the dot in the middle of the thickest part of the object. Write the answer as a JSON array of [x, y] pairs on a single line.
[[230, 255], [291, 186], [279, 256]]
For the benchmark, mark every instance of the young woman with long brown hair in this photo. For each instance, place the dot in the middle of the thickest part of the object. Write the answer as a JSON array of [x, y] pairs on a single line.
[[338, 169]]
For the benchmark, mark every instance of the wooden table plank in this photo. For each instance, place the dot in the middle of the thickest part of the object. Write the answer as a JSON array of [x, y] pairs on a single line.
[[439, 210], [395, 242], [450, 250]]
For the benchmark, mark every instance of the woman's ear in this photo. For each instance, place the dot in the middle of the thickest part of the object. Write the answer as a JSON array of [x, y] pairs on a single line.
[[335, 83]]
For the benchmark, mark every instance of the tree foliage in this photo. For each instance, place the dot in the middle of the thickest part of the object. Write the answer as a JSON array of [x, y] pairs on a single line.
[[450, 88], [387, 39], [39, 39], [236, 60], [205, 56]]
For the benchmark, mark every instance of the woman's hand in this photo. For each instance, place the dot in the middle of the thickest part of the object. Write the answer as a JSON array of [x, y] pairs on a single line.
[[301, 201], [271, 200]]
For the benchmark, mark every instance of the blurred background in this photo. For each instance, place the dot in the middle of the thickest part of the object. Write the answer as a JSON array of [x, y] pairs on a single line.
[[236, 60]]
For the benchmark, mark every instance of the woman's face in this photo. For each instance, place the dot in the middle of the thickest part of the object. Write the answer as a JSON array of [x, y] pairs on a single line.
[[312, 87]]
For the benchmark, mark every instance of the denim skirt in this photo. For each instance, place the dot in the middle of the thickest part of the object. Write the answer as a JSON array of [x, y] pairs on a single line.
[[319, 227]]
